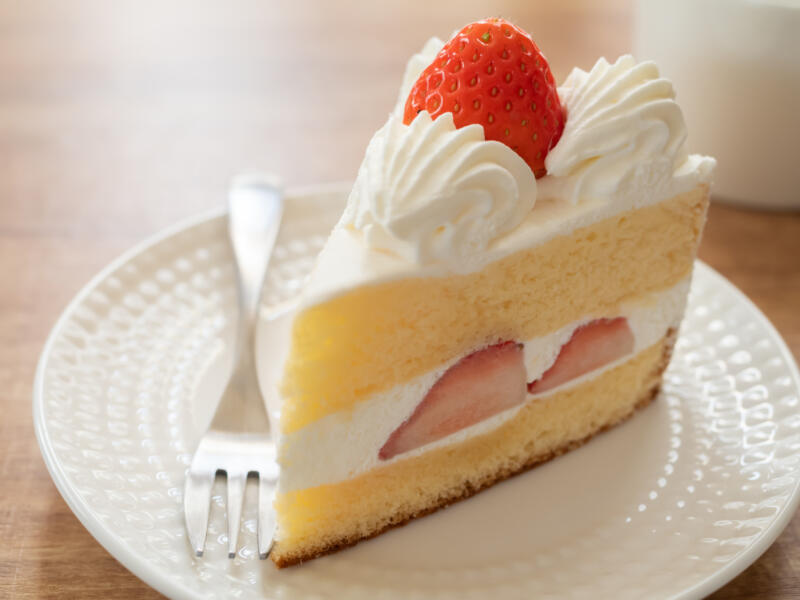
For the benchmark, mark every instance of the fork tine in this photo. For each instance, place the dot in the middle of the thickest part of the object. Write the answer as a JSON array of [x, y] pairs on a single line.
[[196, 506], [236, 485], [266, 515]]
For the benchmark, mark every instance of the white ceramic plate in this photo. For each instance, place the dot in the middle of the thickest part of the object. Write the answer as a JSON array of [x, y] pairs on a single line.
[[674, 503]]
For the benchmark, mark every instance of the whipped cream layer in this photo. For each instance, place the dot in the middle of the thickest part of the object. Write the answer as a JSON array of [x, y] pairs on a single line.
[[343, 445]]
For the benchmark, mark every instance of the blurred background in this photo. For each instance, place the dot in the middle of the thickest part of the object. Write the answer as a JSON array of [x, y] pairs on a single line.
[[145, 108], [120, 118]]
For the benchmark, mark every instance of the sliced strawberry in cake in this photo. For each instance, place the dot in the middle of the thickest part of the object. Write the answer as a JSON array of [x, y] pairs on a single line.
[[478, 386], [591, 346]]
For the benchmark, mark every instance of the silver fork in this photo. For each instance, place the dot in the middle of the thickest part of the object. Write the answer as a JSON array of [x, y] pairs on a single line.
[[239, 441]]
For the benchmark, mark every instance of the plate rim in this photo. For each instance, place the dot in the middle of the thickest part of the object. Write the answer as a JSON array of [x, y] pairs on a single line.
[[762, 543], [174, 589]]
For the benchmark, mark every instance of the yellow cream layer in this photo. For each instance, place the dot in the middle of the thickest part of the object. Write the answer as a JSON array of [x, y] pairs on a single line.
[[377, 336], [319, 519]]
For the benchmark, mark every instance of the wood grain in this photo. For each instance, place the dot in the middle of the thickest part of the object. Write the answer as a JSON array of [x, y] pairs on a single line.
[[119, 118]]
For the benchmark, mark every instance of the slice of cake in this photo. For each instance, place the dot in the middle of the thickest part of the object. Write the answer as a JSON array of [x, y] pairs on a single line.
[[506, 281]]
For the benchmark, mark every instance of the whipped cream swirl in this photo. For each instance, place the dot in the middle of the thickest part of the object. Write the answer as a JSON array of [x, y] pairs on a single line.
[[623, 132], [429, 192]]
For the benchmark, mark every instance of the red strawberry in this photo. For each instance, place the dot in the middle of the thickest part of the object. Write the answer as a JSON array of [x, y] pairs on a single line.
[[478, 386], [493, 74], [591, 346]]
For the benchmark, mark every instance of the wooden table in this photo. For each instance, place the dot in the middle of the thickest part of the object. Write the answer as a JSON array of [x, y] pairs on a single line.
[[120, 118]]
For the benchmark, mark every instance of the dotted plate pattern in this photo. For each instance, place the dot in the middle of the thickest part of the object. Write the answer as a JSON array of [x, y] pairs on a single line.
[[674, 503]]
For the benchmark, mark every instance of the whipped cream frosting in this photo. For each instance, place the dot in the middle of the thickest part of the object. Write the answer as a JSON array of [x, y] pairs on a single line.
[[623, 128], [430, 192]]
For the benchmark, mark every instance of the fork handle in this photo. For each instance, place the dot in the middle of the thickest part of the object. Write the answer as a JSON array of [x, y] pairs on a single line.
[[255, 206]]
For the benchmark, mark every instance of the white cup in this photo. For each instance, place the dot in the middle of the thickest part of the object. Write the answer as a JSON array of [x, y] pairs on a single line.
[[735, 65]]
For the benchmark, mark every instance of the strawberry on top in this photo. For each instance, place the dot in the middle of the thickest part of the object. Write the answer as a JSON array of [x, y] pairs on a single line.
[[491, 73]]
